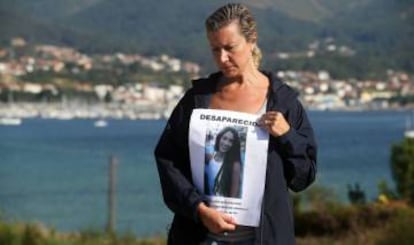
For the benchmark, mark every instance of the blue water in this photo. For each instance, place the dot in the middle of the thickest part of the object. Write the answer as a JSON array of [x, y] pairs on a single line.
[[55, 171]]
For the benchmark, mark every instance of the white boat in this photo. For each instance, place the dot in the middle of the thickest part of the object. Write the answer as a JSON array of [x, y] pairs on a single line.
[[409, 134], [10, 121], [100, 123], [409, 129]]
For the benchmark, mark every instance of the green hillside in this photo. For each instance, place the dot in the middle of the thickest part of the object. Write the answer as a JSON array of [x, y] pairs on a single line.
[[380, 31]]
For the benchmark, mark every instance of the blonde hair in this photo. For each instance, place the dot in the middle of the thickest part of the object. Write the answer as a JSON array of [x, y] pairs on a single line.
[[240, 13]]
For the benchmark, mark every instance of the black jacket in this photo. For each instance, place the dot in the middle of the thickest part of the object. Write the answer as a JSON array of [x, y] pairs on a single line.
[[291, 163]]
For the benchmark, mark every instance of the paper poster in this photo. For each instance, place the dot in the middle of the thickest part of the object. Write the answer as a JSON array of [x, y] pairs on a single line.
[[228, 154]]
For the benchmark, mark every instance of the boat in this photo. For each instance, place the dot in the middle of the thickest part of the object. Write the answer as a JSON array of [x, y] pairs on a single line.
[[10, 121], [409, 128], [409, 134], [100, 123]]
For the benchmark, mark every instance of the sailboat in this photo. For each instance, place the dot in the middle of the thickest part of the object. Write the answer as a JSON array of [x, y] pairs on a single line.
[[100, 123], [409, 130], [10, 121]]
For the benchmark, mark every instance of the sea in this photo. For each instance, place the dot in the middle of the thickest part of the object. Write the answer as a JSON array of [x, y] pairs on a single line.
[[56, 171]]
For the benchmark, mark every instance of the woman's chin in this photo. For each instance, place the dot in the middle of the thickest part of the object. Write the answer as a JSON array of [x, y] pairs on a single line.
[[230, 73]]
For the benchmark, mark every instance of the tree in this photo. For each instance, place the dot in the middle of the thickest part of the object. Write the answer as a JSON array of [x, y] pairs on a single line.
[[402, 168]]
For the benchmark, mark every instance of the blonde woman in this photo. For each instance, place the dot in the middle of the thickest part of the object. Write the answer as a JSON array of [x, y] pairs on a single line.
[[238, 86]]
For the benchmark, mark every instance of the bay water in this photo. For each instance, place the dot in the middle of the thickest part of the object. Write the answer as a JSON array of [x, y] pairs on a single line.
[[56, 172]]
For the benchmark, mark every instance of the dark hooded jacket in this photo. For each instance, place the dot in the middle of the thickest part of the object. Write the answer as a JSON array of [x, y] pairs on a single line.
[[291, 164]]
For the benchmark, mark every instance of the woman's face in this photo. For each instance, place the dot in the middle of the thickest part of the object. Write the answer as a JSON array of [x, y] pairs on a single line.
[[232, 53], [226, 141]]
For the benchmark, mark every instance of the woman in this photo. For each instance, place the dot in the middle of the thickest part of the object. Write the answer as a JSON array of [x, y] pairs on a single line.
[[223, 165], [238, 86]]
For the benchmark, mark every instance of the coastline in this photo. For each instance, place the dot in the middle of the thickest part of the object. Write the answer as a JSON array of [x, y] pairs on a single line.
[[138, 111], [76, 110]]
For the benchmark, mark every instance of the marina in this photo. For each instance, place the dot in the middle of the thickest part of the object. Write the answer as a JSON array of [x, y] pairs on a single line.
[[13, 113]]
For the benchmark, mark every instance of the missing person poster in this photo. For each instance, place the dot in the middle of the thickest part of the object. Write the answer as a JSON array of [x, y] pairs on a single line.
[[228, 153]]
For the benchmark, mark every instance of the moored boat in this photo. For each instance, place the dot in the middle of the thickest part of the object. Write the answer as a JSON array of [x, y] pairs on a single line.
[[10, 121]]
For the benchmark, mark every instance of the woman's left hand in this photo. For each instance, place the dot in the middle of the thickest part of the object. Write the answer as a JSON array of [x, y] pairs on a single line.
[[275, 123]]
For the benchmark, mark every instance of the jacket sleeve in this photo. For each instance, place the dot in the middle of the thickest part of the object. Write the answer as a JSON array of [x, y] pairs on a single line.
[[172, 157], [299, 150]]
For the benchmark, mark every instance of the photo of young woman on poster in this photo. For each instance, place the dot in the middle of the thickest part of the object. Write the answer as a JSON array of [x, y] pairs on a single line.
[[223, 163]]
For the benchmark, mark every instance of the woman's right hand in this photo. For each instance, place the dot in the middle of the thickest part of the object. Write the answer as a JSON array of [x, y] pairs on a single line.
[[215, 221]]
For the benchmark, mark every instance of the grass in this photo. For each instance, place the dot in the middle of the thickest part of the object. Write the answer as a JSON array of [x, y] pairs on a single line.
[[331, 224], [38, 234]]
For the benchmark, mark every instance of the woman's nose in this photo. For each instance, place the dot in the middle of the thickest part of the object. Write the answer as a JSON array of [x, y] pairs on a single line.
[[224, 56]]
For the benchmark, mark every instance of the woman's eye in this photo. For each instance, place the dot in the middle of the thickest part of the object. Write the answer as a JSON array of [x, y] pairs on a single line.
[[215, 50]]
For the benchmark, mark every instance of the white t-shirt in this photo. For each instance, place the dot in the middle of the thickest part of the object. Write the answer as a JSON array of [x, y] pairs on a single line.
[[212, 169]]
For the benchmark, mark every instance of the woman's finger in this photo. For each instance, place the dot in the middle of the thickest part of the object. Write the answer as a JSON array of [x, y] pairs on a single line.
[[274, 122], [229, 219], [228, 223]]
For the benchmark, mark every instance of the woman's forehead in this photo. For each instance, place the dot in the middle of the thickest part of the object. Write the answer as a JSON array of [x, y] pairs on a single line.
[[228, 134], [226, 34]]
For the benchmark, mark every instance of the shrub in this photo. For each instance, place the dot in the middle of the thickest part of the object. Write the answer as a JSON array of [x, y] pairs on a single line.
[[339, 220], [402, 168], [9, 235], [400, 229]]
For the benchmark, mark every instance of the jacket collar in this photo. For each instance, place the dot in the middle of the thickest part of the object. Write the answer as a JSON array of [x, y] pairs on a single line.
[[275, 82], [210, 83]]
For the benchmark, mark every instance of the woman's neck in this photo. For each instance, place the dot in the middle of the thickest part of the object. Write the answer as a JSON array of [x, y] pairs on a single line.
[[245, 93], [249, 79], [219, 156]]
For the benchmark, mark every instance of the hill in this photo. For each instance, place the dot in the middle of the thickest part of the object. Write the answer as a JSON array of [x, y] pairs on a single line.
[[376, 29]]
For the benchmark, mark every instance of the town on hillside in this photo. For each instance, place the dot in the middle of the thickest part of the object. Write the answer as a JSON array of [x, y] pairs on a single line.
[[48, 81]]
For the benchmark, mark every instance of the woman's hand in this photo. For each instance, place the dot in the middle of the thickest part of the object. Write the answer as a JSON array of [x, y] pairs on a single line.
[[215, 221], [275, 123]]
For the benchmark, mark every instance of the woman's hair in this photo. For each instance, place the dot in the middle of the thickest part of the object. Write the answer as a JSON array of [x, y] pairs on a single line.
[[240, 13], [231, 157]]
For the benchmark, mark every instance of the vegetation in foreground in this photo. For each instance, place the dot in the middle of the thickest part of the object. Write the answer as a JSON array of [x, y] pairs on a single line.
[[379, 223], [38, 234]]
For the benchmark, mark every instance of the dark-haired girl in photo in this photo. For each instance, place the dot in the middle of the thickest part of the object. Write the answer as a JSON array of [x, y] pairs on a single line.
[[223, 165]]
